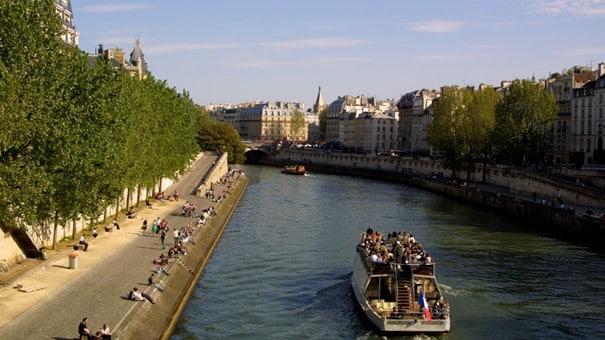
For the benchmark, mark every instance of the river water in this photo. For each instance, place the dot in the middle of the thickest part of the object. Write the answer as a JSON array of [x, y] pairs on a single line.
[[282, 268]]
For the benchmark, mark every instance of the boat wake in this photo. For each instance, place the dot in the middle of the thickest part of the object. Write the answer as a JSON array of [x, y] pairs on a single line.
[[453, 291]]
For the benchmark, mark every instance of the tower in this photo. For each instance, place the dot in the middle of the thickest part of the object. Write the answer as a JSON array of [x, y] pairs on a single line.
[[319, 102]]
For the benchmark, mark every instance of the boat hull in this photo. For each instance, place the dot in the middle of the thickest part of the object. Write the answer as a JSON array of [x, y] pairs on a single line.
[[416, 324]]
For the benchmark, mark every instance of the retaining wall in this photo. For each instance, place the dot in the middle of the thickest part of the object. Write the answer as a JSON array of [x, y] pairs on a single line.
[[159, 322]]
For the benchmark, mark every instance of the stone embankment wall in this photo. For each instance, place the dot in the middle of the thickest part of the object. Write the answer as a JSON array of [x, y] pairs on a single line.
[[42, 235], [220, 167], [427, 174], [158, 321]]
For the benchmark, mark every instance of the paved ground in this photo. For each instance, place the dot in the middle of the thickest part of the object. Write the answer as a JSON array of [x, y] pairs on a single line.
[[115, 263]]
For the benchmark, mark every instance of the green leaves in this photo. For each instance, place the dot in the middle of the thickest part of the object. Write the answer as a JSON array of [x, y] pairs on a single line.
[[522, 120], [75, 137]]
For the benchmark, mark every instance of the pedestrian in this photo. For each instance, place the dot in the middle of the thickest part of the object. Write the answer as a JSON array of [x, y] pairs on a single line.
[[83, 329], [177, 235], [151, 281], [144, 226], [163, 238], [176, 195]]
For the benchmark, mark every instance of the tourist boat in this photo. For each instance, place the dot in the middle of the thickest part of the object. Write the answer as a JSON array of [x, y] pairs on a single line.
[[395, 285], [294, 170]]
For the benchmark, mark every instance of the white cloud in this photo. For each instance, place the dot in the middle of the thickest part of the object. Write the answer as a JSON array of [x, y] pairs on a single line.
[[316, 43], [442, 58], [317, 62], [436, 26], [586, 51], [110, 8], [566, 7], [171, 48]]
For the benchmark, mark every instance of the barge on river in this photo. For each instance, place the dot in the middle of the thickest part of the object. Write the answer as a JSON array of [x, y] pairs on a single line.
[[395, 285], [294, 170]]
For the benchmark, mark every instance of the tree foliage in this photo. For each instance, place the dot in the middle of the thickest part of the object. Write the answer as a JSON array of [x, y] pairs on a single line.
[[463, 124], [522, 119], [219, 137], [75, 137], [297, 123], [448, 131]]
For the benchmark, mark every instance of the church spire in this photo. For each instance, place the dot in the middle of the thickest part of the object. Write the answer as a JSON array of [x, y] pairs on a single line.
[[319, 102]]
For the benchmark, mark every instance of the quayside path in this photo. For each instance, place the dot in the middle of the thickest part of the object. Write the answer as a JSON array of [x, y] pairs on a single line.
[[57, 297]]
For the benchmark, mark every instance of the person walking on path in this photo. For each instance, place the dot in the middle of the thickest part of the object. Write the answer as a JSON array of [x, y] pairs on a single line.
[[177, 235], [163, 238]]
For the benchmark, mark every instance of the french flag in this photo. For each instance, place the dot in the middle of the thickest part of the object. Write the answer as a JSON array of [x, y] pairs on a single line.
[[425, 306]]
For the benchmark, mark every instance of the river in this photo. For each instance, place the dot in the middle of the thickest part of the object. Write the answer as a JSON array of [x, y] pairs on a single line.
[[282, 268]]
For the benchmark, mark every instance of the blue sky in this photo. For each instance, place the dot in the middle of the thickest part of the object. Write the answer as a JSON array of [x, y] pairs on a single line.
[[232, 51]]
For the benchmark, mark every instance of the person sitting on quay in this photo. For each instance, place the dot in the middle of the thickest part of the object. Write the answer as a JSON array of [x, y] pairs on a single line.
[[104, 333], [83, 329], [131, 213], [83, 242], [94, 233], [135, 295], [151, 282]]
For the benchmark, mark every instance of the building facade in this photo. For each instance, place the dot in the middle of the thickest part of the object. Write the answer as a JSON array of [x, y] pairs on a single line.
[[274, 121], [588, 122], [70, 35], [562, 86]]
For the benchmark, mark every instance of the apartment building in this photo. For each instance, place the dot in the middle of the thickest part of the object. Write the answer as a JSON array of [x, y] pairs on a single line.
[[588, 122]]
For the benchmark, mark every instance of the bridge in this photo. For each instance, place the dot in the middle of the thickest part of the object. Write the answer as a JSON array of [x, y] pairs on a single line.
[[255, 151]]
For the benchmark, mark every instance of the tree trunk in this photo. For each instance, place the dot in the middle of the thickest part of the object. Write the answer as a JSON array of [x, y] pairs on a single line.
[[128, 193], [56, 229], [138, 194]]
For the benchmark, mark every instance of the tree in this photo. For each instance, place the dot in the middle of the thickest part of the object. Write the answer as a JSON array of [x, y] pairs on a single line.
[[221, 137], [297, 123], [447, 130], [523, 117], [479, 127]]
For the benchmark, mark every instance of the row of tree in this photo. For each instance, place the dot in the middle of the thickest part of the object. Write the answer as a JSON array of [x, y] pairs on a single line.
[[75, 136], [470, 126]]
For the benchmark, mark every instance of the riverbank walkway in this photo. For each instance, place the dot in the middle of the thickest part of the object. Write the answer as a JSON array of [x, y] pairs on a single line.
[[54, 299]]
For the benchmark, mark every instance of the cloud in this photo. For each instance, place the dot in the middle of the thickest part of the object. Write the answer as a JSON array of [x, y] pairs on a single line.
[[442, 58], [586, 51], [566, 7], [110, 8], [171, 48], [436, 26], [316, 62], [484, 47], [316, 43]]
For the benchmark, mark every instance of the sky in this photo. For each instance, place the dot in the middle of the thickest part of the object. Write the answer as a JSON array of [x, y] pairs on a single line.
[[234, 51]]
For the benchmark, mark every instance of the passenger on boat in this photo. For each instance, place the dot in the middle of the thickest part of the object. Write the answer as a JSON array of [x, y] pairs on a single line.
[[439, 309]]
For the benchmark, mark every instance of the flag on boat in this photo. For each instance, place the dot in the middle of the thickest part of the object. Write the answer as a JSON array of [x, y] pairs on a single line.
[[425, 306]]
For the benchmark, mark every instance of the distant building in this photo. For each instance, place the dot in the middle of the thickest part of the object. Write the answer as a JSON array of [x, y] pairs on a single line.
[[339, 112], [70, 35], [313, 127], [371, 133], [319, 105], [415, 114], [136, 65], [588, 121], [562, 86], [272, 121]]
